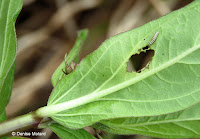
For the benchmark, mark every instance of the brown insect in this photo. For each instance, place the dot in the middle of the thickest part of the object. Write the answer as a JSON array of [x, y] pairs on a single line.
[[69, 68]]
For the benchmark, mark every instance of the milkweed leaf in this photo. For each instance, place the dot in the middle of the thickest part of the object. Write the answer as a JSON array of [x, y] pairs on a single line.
[[100, 88]]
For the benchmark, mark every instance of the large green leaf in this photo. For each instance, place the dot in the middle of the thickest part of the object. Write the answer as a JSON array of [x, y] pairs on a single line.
[[9, 10], [66, 133], [101, 88], [182, 124]]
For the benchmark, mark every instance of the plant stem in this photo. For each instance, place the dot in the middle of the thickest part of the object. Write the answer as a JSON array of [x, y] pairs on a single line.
[[19, 123]]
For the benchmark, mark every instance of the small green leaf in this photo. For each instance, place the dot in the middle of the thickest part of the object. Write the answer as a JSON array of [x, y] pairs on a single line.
[[101, 88], [66, 133], [72, 57], [75, 52], [9, 10], [182, 124]]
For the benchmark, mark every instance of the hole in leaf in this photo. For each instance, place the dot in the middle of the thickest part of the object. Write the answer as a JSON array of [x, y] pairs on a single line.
[[145, 48], [139, 62]]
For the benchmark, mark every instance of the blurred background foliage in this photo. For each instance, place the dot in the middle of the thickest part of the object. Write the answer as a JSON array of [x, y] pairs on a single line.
[[47, 29]]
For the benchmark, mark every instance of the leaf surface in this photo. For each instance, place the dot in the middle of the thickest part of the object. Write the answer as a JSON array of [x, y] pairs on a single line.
[[101, 88], [66, 133], [9, 10], [3, 117], [182, 124]]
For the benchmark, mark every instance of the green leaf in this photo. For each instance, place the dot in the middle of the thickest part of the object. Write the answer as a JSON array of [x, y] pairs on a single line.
[[6, 90], [75, 52], [66, 133], [2, 118], [182, 124], [101, 88], [9, 10], [72, 57]]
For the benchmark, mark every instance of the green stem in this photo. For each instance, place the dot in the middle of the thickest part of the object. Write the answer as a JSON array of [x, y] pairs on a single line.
[[19, 123]]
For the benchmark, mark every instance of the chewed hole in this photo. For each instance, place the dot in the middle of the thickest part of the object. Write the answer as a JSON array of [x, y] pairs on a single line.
[[139, 62], [146, 48]]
